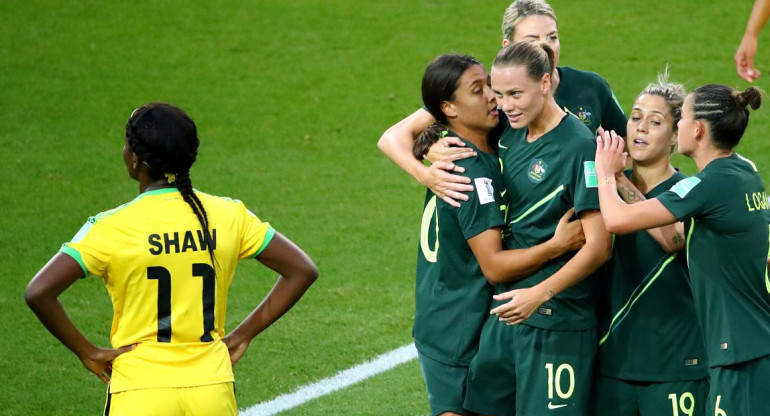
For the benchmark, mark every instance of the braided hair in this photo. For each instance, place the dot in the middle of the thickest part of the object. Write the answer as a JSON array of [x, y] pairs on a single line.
[[725, 110], [165, 139]]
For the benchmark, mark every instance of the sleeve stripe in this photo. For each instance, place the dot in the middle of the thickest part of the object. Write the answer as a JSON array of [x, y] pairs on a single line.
[[75, 255], [268, 237]]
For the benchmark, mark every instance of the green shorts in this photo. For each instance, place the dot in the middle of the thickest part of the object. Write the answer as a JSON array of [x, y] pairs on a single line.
[[740, 389], [526, 370], [445, 385], [615, 397]]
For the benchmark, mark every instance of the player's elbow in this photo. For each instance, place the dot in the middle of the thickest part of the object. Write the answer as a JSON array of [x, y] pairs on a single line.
[[671, 248], [33, 295], [495, 279], [602, 252], [385, 142], [494, 275], [308, 272], [616, 225]]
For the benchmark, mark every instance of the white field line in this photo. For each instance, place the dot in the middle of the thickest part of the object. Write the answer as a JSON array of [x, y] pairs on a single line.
[[329, 385]]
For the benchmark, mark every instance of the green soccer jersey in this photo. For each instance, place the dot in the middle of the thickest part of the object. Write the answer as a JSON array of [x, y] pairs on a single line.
[[725, 208], [588, 96], [452, 296], [652, 332], [543, 180]]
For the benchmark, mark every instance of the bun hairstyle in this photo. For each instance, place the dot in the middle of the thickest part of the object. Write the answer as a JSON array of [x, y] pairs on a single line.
[[750, 97], [725, 111], [538, 58], [524, 8], [672, 94], [165, 139]]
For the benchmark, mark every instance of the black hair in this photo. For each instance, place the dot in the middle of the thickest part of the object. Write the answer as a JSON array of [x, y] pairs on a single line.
[[538, 58], [441, 79], [165, 139], [726, 112], [427, 138]]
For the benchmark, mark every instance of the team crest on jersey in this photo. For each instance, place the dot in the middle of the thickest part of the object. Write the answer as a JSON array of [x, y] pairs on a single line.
[[537, 170], [585, 114], [485, 190]]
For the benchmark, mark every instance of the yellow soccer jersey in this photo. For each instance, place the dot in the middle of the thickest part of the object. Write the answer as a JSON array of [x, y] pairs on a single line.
[[166, 297]]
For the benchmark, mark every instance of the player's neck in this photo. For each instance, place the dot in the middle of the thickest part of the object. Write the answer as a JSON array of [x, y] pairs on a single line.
[[647, 176], [550, 117], [148, 185], [702, 157]]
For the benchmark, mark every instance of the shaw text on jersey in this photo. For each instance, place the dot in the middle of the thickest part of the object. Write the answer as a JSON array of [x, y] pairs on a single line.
[[176, 243]]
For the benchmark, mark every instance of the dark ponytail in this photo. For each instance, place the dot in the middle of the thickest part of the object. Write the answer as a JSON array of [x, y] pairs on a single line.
[[427, 138], [165, 139]]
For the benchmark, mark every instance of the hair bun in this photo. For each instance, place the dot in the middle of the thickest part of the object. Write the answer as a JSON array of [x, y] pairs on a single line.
[[751, 97]]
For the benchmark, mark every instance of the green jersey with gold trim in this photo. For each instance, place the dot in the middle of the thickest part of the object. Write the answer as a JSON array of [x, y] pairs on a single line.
[[588, 96], [166, 296], [652, 332], [726, 208], [543, 180], [452, 296]]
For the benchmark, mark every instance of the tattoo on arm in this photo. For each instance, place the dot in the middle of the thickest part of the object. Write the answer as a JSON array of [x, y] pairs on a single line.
[[629, 194], [677, 239]]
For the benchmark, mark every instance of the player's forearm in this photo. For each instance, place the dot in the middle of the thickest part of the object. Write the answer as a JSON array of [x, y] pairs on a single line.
[[585, 262], [397, 146], [51, 314], [759, 15], [286, 292], [613, 208], [513, 265], [669, 237]]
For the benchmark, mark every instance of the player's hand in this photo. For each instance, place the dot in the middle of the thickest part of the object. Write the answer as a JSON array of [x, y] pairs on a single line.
[[236, 347], [610, 157], [445, 185], [449, 149], [99, 361], [744, 59], [569, 234], [522, 304]]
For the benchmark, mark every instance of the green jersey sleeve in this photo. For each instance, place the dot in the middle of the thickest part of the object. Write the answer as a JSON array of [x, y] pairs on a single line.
[[584, 182], [482, 209], [686, 198]]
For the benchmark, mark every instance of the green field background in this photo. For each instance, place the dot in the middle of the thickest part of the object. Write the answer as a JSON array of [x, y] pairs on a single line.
[[290, 98]]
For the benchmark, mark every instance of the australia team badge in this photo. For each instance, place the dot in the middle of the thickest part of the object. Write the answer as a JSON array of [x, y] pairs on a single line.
[[585, 114], [537, 170]]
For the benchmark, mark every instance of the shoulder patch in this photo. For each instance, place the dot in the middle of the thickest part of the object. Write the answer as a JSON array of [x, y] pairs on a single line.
[[589, 173], [83, 230], [484, 190], [683, 187]]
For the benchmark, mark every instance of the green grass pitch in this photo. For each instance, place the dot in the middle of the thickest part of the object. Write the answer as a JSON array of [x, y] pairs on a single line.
[[290, 98]]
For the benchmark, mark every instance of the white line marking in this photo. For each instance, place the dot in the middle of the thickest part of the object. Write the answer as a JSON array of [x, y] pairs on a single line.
[[339, 381]]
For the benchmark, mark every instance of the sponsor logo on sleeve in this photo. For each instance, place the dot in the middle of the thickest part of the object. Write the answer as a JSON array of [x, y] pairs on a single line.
[[683, 187], [485, 190], [81, 234], [589, 171]]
